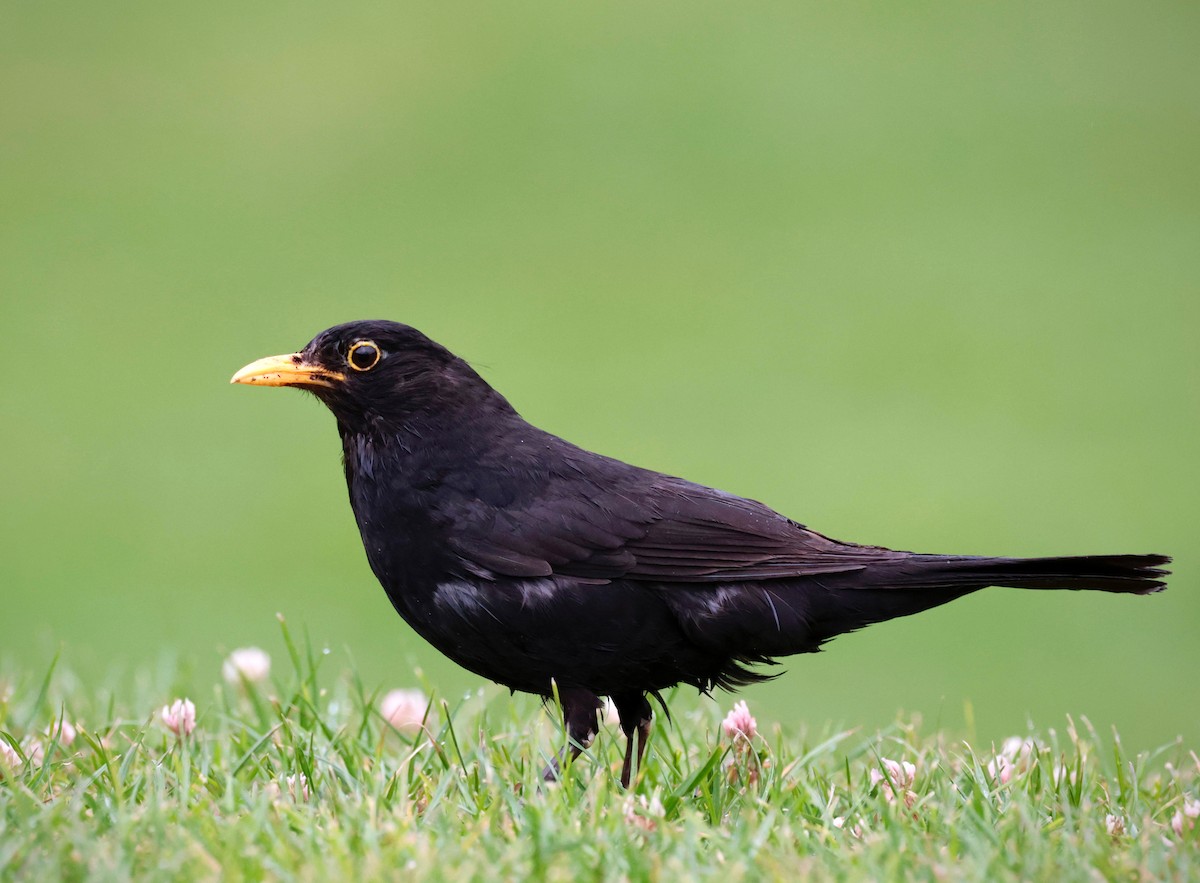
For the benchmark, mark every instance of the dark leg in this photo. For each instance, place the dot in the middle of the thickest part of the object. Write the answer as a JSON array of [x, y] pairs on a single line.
[[636, 718], [579, 708]]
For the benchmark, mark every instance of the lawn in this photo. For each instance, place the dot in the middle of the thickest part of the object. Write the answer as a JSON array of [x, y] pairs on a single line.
[[300, 776]]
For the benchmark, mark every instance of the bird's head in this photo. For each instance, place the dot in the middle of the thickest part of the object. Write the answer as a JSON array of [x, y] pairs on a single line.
[[375, 374]]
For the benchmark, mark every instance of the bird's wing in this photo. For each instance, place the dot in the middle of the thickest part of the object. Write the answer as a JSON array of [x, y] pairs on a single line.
[[643, 525]]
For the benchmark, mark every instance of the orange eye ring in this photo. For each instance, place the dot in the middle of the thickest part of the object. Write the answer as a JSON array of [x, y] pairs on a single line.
[[363, 355]]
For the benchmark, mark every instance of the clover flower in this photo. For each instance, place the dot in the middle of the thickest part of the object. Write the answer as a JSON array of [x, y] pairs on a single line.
[[297, 787], [740, 723], [896, 775], [1185, 818], [179, 717], [1015, 756], [404, 709], [246, 665], [840, 824], [63, 730], [741, 728]]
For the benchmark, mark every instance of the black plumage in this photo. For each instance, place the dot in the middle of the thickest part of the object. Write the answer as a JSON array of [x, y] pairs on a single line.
[[542, 566]]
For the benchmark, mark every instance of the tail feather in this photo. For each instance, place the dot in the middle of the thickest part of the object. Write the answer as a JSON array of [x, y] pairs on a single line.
[[760, 621], [1126, 574], [921, 582]]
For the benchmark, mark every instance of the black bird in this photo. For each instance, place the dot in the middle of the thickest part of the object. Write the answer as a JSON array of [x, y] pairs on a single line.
[[545, 567]]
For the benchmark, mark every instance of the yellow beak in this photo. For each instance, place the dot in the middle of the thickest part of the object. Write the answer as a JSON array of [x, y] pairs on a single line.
[[288, 370]]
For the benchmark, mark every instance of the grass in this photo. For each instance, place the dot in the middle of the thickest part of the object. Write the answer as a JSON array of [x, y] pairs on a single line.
[[303, 779]]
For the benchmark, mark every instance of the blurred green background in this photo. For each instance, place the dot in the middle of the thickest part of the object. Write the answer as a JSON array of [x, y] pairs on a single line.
[[921, 275]]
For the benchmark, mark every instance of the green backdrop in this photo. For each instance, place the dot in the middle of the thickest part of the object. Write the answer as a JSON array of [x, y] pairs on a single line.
[[921, 275]]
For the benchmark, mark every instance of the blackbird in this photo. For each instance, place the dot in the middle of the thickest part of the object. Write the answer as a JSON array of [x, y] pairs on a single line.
[[557, 571]]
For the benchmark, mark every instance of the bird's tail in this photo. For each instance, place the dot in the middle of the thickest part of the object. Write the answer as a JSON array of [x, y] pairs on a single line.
[[1124, 574], [894, 588], [798, 616]]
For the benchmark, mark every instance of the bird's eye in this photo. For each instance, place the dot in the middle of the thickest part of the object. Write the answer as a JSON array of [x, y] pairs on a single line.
[[363, 355]]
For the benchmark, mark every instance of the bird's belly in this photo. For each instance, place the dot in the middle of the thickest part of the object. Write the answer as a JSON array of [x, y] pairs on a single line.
[[525, 634]]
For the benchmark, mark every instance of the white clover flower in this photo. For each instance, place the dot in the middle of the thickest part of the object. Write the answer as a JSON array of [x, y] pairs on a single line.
[[1001, 769], [643, 813], [840, 824], [1015, 745], [740, 727], [1015, 756], [1115, 825], [246, 665], [35, 751], [899, 775], [1184, 818], [739, 722], [297, 787], [65, 733], [1191, 808], [179, 717], [404, 709]]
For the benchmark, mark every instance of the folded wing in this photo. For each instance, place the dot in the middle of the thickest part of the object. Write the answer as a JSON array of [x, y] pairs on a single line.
[[650, 527]]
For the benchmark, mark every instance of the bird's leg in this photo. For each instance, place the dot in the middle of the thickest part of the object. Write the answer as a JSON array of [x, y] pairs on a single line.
[[636, 719], [579, 707]]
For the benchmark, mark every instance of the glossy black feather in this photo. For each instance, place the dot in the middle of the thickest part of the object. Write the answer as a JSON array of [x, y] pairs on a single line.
[[533, 562]]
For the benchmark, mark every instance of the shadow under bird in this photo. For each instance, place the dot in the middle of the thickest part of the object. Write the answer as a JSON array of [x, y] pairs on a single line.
[[551, 569]]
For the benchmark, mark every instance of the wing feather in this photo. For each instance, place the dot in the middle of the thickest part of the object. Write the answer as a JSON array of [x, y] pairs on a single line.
[[647, 526]]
